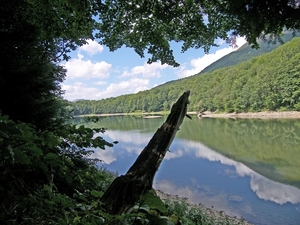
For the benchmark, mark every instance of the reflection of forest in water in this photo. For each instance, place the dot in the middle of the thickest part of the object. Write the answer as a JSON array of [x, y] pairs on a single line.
[[269, 147]]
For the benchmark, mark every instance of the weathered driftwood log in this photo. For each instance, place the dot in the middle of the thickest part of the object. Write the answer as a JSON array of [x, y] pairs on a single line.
[[125, 190]]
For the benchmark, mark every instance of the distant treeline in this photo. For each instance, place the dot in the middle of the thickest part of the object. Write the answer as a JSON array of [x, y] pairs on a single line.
[[267, 82]]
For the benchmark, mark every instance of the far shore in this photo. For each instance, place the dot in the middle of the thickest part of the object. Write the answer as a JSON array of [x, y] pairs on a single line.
[[208, 114], [252, 115]]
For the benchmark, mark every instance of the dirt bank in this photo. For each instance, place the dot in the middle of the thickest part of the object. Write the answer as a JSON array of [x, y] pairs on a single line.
[[260, 115]]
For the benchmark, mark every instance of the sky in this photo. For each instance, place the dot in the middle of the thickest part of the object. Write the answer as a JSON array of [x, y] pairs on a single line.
[[95, 73]]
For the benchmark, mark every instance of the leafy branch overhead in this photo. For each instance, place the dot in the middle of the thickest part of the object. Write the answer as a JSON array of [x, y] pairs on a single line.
[[47, 175], [146, 26], [151, 25]]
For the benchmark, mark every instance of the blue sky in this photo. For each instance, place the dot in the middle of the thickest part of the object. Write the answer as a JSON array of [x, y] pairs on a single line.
[[95, 73]]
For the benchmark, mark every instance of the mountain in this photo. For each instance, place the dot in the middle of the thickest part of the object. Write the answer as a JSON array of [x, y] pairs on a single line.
[[270, 81], [245, 53]]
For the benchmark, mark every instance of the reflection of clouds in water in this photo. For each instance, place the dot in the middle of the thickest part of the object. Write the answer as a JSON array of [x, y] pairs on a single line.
[[107, 155], [264, 188], [173, 155], [131, 142], [201, 151], [235, 198], [133, 149], [134, 142], [202, 195], [134, 138], [276, 192], [138, 141], [198, 186]]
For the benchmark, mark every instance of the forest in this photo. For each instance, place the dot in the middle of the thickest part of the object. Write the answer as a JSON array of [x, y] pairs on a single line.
[[268, 82], [47, 174]]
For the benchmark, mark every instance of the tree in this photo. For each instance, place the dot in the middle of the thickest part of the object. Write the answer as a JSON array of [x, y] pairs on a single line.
[[151, 25], [44, 162], [33, 39], [257, 18]]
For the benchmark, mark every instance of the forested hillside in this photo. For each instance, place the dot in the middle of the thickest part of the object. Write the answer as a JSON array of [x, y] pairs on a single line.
[[48, 174], [267, 82], [246, 52]]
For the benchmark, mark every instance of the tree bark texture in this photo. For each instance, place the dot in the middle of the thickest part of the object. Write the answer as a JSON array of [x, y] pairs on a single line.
[[125, 190]]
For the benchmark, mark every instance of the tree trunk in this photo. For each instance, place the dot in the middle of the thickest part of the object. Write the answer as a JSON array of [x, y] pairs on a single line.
[[125, 190]]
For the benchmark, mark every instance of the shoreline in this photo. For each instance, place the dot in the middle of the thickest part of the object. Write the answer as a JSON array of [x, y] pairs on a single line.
[[219, 216], [208, 114], [254, 115]]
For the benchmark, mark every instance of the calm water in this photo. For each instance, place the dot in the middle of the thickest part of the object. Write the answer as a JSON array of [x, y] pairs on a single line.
[[247, 168]]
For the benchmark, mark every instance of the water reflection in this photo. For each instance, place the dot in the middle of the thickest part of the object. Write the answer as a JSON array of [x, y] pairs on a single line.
[[205, 176], [201, 194], [269, 147], [264, 188], [273, 191], [133, 142]]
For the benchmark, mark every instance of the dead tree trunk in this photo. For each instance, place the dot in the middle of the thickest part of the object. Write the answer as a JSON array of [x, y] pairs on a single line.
[[125, 190]]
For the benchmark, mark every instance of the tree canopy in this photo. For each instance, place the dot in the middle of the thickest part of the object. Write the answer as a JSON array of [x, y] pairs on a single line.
[[47, 174], [151, 25], [147, 26]]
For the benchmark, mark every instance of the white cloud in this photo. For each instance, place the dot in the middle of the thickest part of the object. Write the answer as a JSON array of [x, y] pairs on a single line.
[[79, 91], [147, 70], [92, 47], [133, 85], [201, 63], [78, 68], [100, 83], [126, 73]]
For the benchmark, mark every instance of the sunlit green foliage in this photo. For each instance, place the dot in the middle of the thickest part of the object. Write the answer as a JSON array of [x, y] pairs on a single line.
[[267, 82], [246, 52], [47, 173]]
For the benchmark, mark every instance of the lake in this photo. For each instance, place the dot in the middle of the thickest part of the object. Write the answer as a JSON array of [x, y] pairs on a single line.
[[248, 168]]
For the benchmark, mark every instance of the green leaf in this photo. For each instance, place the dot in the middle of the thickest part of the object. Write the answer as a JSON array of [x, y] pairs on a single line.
[[76, 219], [173, 219], [21, 157], [10, 130], [162, 222], [145, 208], [50, 156], [3, 134], [153, 201], [96, 193], [52, 159]]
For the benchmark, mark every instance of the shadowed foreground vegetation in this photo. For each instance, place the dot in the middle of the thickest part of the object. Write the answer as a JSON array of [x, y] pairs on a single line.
[[47, 173]]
